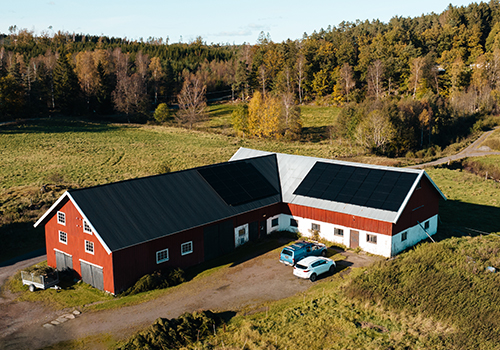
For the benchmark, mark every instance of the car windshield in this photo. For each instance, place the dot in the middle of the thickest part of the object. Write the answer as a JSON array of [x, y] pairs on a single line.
[[286, 252], [302, 267]]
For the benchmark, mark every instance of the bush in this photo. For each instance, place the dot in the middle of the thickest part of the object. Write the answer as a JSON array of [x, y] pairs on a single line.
[[175, 333], [157, 280], [162, 113]]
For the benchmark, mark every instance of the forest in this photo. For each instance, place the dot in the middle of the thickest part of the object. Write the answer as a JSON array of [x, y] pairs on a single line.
[[403, 86]]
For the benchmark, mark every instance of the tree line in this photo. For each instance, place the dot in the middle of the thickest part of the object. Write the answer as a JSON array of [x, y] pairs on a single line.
[[404, 85]]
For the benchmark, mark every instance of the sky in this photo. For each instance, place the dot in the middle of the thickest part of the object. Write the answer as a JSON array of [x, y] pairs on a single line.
[[215, 21]]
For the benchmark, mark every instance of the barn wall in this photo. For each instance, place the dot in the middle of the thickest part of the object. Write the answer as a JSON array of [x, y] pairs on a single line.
[[423, 204], [76, 243], [132, 263], [344, 220]]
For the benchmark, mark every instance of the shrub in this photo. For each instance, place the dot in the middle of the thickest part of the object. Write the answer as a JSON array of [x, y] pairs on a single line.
[[162, 113], [157, 280], [175, 333]]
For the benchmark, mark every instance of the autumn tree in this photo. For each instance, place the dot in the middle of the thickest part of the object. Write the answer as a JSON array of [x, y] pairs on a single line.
[[156, 76], [192, 101], [347, 78], [375, 132], [375, 78]]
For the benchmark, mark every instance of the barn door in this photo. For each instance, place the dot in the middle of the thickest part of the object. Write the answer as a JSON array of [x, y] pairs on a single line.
[[63, 261], [92, 275], [254, 230], [354, 239]]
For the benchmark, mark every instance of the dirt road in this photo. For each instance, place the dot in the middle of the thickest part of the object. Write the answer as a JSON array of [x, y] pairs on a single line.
[[245, 285], [474, 150]]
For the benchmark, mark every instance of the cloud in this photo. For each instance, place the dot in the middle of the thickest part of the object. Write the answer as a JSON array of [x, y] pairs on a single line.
[[240, 32]]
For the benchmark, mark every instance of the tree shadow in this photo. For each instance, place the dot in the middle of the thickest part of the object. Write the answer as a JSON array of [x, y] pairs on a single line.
[[315, 133], [56, 125]]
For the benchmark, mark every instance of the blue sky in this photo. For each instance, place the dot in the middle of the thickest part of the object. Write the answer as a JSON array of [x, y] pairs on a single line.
[[216, 21]]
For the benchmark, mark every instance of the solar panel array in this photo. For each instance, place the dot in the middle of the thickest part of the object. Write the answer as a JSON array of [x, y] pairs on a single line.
[[373, 188], [237, 182]]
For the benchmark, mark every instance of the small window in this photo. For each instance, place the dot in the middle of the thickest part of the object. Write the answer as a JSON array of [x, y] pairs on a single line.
[[371, 238], [86, 227], [274, 222], [89, 247], [186, 248], [294, 223], [315, 227], [63, 237], [241, 232], [426, 225], [61, 218], [338, 232], [404, 236], [162, 256]]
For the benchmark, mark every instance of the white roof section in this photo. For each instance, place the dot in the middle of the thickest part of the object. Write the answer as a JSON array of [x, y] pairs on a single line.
[[294, 168]]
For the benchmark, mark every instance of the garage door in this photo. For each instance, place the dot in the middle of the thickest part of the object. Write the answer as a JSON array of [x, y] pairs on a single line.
[[64, 261], [92, 275]]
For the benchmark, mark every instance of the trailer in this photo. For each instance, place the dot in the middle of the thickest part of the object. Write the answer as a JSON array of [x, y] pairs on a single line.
[[41, 281]]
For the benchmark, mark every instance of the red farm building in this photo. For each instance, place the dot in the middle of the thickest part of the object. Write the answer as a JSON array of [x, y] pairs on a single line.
[[113, 234]]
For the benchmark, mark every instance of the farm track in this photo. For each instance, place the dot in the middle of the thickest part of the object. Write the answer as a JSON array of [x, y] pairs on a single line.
[[473, 150]]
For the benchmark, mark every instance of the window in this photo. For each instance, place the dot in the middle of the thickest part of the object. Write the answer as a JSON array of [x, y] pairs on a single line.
[[86, 227], [186, 248], [294, 223], [162, 256], [426, 225], [404, 236], [371, 238], [89, 247], [338, 232], [241, 233], [63, 237], [61, 218], [315, 227], [274, 222]]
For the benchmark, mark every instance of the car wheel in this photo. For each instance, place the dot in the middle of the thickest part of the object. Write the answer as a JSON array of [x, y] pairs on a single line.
[[332, 269], [323, 253], [313, 277], [32, 288]]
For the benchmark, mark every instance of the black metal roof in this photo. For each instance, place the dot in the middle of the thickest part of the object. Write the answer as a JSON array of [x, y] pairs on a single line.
[[374, 188], [134, 211]]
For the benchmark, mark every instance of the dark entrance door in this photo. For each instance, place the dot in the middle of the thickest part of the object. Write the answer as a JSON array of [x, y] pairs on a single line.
[[254, 230], [63, 261], [263, 229], [354, 240]]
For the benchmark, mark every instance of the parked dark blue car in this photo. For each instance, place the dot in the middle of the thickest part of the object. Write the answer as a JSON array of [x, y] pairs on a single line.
[[292, 254]]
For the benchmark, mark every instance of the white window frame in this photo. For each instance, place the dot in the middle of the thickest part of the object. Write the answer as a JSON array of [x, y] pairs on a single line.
[[85, 226], [338, 232], [188, 245], [275, 221], [162, 256], [87, 245], [370, 238], [404, 236], [61, 218], [65, 235], [318, 227]]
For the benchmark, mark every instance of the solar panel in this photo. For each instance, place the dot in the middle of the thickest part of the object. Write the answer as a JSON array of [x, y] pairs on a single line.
[[374, 188], [237, 182]]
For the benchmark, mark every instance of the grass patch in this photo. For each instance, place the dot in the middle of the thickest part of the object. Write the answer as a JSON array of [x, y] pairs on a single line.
[[487, 167], [94, 342], [493, 141], [446, 281]]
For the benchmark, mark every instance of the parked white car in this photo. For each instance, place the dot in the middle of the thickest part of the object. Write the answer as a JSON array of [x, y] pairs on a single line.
[[313, 266]]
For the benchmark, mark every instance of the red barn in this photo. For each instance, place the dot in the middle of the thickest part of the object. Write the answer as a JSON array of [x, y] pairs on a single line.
[[113, 234]]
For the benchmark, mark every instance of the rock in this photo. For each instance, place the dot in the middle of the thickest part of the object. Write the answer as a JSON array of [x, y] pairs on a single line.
[[55, 323], [48, 325], [69, 316], [76, 312], [62, 319]]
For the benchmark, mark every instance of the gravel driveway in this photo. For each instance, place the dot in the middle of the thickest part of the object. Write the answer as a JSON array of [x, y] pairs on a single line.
[[243, 286]]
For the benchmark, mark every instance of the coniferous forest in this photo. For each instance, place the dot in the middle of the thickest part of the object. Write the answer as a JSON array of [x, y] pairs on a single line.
[[405, 85]]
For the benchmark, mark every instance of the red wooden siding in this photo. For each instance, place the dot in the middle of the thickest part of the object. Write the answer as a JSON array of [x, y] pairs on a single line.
[[134, 262], [355, 222], [423, 204], [76, 243]]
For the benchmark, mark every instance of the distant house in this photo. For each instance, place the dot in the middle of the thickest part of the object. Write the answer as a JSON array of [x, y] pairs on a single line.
[[113, 234]]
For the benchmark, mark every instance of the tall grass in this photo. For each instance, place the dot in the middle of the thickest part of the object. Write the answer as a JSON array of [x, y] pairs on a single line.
[[447, 281]]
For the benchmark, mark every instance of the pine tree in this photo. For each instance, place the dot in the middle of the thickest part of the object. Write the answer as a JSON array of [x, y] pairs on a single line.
[[65, 85]]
